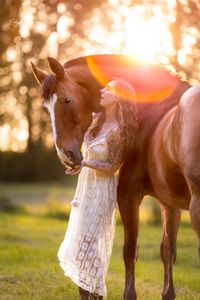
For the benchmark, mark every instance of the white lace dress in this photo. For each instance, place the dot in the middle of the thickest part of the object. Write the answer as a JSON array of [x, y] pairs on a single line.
[[85, 253]]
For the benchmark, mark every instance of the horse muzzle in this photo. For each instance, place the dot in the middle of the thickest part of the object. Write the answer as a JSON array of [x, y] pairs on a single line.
[[69, 158]]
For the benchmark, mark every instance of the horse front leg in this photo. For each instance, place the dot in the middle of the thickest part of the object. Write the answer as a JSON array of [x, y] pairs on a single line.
[[130, 253], [129, 210], [171, 221]]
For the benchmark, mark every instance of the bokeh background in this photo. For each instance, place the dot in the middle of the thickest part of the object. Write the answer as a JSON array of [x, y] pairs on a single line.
[[35, 194], [165, 32]]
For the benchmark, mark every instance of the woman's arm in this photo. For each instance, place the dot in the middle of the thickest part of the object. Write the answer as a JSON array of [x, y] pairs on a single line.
[[98, 165], [115, 152]]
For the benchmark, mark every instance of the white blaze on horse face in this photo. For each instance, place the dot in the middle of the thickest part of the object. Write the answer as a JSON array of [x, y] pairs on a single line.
[[50, 105]]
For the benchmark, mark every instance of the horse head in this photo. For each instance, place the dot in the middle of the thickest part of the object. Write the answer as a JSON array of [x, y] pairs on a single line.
[[67, 102]]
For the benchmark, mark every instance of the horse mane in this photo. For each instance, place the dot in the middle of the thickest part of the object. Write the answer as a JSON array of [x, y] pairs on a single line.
[[147, 78], [118, 60], [48, 86]]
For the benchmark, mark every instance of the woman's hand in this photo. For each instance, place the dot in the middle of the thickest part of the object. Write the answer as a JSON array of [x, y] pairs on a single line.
[[75, 171]]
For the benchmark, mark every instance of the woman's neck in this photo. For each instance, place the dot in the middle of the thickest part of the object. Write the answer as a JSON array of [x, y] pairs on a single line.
[[110, 114]]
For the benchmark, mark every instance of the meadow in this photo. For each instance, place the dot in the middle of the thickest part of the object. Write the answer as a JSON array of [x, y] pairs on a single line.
[[30, 238]]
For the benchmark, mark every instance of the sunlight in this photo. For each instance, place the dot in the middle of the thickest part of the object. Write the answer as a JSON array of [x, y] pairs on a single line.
[[143, 38], [26, 19], [63, 25], [11, 54], [4, 133], [52, 44]]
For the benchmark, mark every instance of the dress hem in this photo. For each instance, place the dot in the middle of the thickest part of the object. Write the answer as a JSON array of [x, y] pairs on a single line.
[[77, 281]]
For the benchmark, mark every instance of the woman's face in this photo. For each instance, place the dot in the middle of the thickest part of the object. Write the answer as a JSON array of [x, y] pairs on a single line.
[[108, 95]]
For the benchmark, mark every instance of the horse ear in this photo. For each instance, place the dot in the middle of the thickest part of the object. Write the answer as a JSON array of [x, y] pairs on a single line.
[[39, 74], [56, 68]]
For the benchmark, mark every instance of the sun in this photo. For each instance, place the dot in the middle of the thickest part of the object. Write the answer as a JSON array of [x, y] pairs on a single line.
[[144, 37]]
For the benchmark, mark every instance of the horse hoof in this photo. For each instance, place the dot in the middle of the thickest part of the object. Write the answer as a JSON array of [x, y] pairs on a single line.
[[169, 295]]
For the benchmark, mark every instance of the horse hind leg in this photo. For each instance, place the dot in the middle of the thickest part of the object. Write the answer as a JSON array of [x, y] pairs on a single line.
[[171, 221], [194, 208]]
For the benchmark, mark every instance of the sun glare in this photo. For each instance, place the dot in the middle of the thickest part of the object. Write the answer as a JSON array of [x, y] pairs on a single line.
[[143, 37]]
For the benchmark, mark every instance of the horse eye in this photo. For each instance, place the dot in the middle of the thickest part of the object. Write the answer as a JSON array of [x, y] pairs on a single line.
[[67, 100]]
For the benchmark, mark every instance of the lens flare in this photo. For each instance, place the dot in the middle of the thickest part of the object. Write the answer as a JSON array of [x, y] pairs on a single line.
[[151, 82]]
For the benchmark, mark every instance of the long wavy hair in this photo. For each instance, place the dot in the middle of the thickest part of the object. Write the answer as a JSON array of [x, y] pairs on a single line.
[[125, 114]]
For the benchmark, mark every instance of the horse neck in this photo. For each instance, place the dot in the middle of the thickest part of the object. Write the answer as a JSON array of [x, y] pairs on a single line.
[[151, 114], [89, 82]]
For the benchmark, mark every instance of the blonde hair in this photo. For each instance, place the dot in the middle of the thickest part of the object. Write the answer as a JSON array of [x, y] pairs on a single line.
[[126, 114]]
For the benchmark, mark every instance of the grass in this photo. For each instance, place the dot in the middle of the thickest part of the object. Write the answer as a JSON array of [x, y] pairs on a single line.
[[29, 242], [37, 193], [29, 268]]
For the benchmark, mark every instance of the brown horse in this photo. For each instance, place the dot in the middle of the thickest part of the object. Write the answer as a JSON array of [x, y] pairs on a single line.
[[71, 94], [174, 161]]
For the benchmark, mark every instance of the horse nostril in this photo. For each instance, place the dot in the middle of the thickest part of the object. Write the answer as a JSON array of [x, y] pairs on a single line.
[[76, 159], [69, 154]]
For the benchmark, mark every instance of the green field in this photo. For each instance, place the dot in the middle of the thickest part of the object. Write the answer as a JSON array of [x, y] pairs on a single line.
[[29, 268]]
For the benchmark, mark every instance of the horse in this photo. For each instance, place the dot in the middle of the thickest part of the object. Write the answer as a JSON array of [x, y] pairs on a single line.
[[174, 161], [71, 94]]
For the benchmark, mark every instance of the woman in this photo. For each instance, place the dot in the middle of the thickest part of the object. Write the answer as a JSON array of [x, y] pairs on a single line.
[[86, 250]]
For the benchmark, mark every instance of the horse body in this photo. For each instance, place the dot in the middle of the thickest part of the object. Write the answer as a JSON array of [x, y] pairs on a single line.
[[174, 156], [165, 165], [174, 164], [153, 167], [189, 149]]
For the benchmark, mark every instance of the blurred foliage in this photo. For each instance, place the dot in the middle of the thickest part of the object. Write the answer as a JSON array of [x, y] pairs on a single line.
[[57, 210], [34, 30], [8, 206], [155, 213], [41, 165]]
